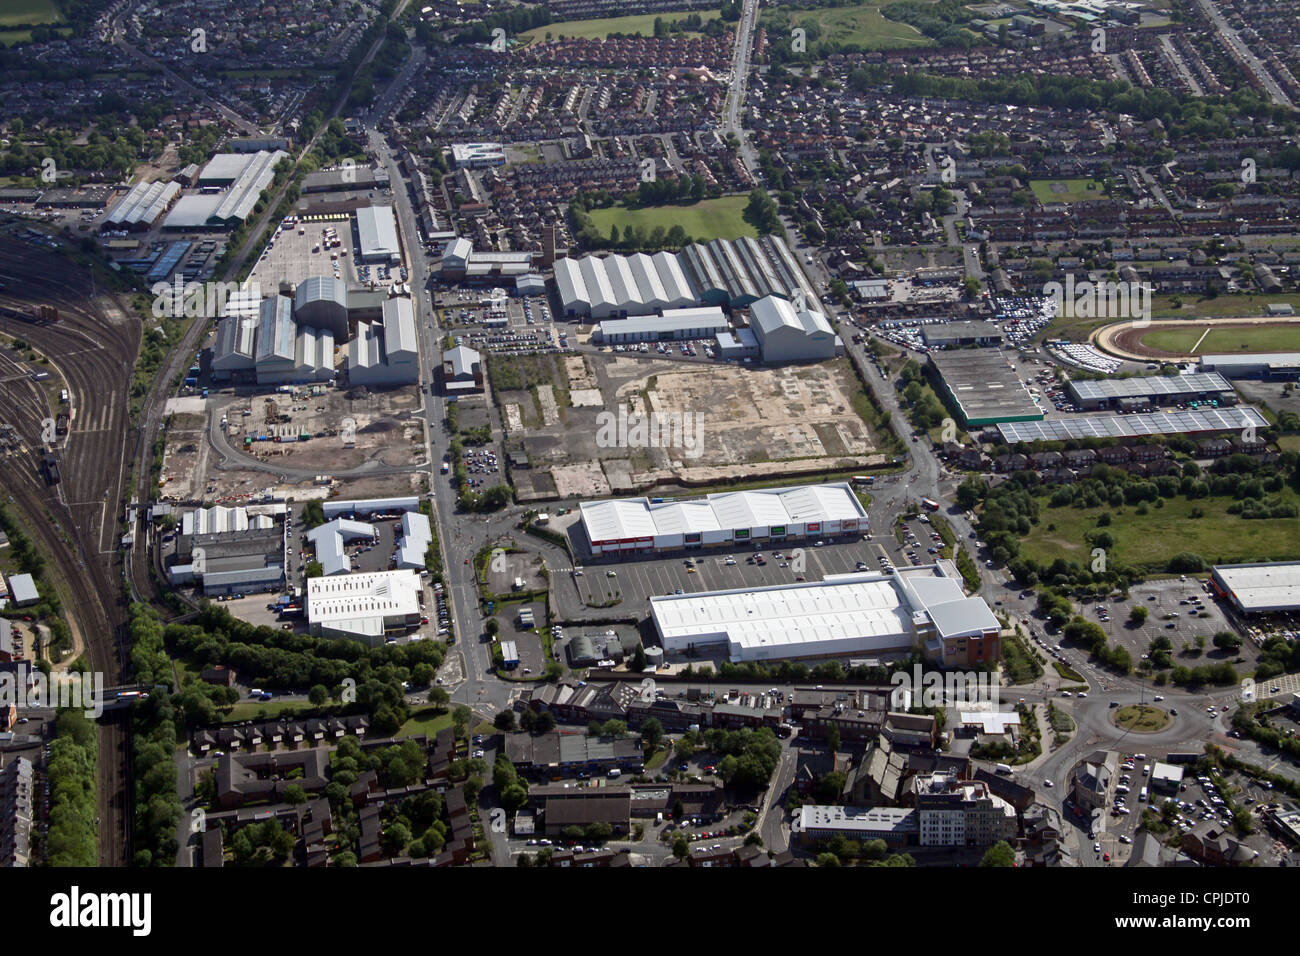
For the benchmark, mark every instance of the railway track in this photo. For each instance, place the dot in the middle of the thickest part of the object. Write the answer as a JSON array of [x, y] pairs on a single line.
[[75, 523]]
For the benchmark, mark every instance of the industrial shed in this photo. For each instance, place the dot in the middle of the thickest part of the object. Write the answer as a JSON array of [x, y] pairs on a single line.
[[787, 334], [386, 352], [638, 525], [377, 230]]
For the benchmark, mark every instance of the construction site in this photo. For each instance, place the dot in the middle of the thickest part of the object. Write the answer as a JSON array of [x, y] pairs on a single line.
[[234, 447], [623, 424]]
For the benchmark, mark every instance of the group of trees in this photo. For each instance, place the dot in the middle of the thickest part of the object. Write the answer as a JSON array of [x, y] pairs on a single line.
[[157, 803], [29, 560], [73, 836], [926, 411], [761, 212], [692, 23], [276, 658], [750, 755]]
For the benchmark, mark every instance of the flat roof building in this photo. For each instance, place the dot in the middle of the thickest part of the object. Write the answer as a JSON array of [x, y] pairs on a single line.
[[983, 388], [1259, 588], [693, 323], [843, 615], [364, 607], [1267, 365], [961, 333], [1159, 389], [897, 826], [477, 155]]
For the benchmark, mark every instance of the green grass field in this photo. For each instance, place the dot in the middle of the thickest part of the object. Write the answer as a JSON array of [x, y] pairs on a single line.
[[1190, 307], [1246, 338], [428, 721], [1065, 190], [862, 25], [26, 13], [1220, 307], [721, 218], [1150, 540], [600, 29]]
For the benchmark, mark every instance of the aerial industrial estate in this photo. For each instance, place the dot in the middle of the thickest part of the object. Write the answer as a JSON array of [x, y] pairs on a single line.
[[576, 434]]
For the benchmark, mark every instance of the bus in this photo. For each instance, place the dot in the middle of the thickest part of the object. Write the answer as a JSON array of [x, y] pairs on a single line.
[[864, 479], [930, 504]]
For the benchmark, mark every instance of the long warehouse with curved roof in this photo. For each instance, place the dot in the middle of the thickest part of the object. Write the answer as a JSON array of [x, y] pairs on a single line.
[[724, 272]]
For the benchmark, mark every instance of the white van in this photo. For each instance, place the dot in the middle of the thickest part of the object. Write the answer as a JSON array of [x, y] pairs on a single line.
[[1143, 795], [615, 772]]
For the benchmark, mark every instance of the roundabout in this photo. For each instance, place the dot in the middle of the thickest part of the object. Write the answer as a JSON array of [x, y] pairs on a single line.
[[1141, 719]]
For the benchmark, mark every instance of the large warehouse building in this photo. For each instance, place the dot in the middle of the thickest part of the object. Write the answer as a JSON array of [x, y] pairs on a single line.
[[1259, 588], [696, 323], [289, 351], [1187, 422], [386, 352], [377, 230], [983, 388], [787, 334], [866, 614], [143, 206], [244, 176], [1150, 390], [322, 303], [638, 526], [727, 273], [230, 550], [1267, 365], [950, 334], [622, 286], [364, 607], [287, 340]]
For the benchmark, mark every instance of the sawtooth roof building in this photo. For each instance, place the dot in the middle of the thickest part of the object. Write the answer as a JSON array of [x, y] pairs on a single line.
[[245, 176], [143, 205], [639, 526], [1156, 389], [1169, 422], [727, 273], [865, 614], [1259, 588]]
